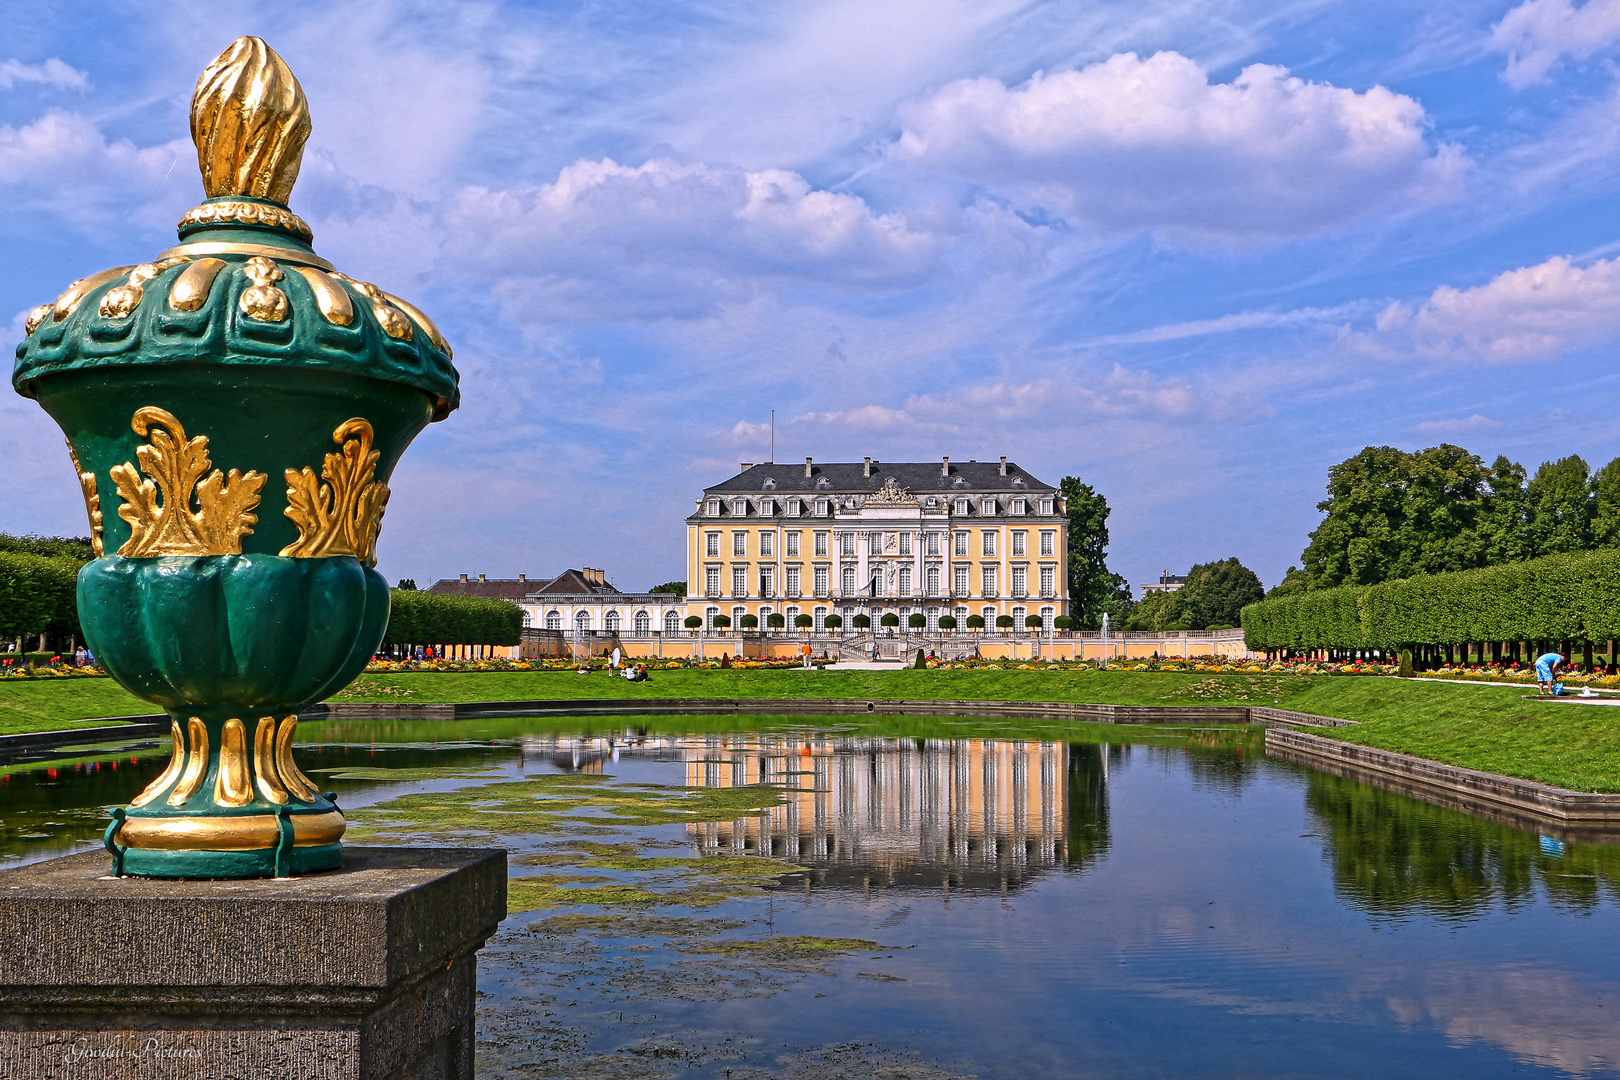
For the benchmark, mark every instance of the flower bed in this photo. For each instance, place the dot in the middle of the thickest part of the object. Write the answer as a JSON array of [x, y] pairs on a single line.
[[592, 663], [1517, 673]]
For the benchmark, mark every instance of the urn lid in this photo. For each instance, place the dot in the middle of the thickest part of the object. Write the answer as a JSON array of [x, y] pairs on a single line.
[[243, 287]]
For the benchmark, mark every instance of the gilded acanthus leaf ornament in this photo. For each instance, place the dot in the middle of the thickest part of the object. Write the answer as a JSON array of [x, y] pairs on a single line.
[[249, 120], [92, 501], [344, 515], [176, 466]]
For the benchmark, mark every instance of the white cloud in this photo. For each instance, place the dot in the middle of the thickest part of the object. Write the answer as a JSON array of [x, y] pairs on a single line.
[[1461, 426], [61, 163], [52, 72], [1537, 34], [1131, 144], [1533, 313], [672, 240]]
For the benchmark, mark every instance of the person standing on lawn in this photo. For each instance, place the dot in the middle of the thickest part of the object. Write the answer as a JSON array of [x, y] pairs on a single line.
[[1547, 665]]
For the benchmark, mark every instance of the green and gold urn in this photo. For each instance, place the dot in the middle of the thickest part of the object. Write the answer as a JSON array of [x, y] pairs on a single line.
[[234, 409]]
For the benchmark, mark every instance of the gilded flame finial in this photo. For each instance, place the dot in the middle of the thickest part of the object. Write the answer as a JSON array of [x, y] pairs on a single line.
[[249, 120]]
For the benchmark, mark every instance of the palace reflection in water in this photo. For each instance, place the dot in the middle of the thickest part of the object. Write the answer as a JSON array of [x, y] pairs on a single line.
[[891, 812]]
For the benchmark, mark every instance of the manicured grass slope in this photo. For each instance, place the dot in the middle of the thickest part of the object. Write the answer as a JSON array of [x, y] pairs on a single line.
[[1477, 727]]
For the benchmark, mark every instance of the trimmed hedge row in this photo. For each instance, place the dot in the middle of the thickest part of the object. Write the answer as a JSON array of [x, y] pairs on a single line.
[[422, 618], [38, 595], [1574, 596]]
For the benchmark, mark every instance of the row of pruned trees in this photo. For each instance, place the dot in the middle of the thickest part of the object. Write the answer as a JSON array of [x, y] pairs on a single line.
[[1493, 614]]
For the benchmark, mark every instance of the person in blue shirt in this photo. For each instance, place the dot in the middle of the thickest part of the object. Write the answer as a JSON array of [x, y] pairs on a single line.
[[1547, 665]]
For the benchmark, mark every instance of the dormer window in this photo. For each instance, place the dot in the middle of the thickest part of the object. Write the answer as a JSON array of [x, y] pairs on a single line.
[[987, 507], [713, 509], [767, 507], [739, 507], [931, 502], [1018, 481], [822, 508], [961, 507], [960, 481], [1046, 506], [770, 483], [1018, 506], [795, 508], [823, 483]]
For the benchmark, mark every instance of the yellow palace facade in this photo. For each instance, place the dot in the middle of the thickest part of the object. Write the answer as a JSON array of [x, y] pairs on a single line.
[[874, 538]]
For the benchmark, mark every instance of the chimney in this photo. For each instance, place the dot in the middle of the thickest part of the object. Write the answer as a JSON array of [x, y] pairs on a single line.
[[523, 577], [480, 577], [868, 471], [463, 577], [807, 472], [593, 576], [746, 466], [1003, 466], [945, 469]]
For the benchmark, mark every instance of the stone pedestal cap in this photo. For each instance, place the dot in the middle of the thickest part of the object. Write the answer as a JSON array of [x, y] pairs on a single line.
[[388, 917]]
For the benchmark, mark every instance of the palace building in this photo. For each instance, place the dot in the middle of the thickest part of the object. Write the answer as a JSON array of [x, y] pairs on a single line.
[[874, 538]]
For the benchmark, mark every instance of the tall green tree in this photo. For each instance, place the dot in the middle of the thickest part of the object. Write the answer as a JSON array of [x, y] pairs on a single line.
[[1559, 506], [1091, 585], [678, 588], [1503, 524], [1216, 592], [1606, 505]]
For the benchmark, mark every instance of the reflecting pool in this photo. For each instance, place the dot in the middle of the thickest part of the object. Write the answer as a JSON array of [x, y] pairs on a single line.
[[769, 897]]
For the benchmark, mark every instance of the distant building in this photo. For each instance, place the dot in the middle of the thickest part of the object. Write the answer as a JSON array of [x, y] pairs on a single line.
[[875, 538], [1166, 583], [578, 601]]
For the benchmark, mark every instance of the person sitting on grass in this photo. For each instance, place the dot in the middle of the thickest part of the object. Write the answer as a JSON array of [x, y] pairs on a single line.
[[1547, 665]]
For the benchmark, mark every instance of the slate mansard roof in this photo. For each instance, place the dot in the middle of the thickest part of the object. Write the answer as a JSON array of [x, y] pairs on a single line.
[[849, 478]]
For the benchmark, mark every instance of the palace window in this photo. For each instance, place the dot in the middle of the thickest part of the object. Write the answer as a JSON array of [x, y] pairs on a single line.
[[1047, 617], [1046, 506], [1018, 539], [1020, 576], [961, 544], [821, 545], [711, 545], [582, 621], [905, 581], [767, 507], [789, 616], [989, 614], [821, 619], [822, 508], [1048, 542], [933, 543], [672, 622], [528, 618], [1048, 581], [554, 620], [961, 508], [795, 508], [792, 544], [736, 617], [874, 544], [708, 618], [905, 543], [713, 509], [989, 581], [987, 507], [767, 545], [739, 507], [989, 546], [846, 543], [1018, 506], [961, 588], [739, 544], [933, 581], [767, 581], [849, 581], [1018, 614], [711, 581], [610, 622], [739, 581], [821, 581], [643, 624], [793, 581]]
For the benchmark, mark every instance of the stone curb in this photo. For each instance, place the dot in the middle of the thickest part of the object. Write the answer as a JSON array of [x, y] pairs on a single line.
[[1451, 785]]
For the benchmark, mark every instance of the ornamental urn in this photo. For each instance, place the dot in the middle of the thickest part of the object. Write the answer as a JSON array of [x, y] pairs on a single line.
[[234, 409]]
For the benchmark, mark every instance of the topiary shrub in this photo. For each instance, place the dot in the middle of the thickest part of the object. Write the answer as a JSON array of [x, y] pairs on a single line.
[[1063, 622], [694, 622], [947, 622], [1034, 622], [803, 622], [862, 622], [917, 622], [833, 622], [890, 619], [1004, 622], [975, 622], [721, 622], [774, 621], [748, 622]]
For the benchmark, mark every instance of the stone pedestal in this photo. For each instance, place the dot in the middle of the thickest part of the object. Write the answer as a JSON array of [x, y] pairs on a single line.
[[367, 972]]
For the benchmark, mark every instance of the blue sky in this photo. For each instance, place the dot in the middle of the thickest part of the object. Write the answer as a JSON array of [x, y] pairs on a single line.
[[1192, 252]]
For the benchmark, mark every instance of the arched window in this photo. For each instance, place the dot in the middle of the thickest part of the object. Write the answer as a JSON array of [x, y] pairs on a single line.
[[672, 622], [821, 619], [1018, 615], [554, 620], [582, 621], [933, 618], [643, 624], [708, 618], [610, 622], [905, 581], [1047, 616], [528, 618], [849, 581], [736, 617], [933, 581]]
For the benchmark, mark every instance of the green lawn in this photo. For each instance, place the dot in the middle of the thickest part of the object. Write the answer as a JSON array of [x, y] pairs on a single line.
[[1478, 727]]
